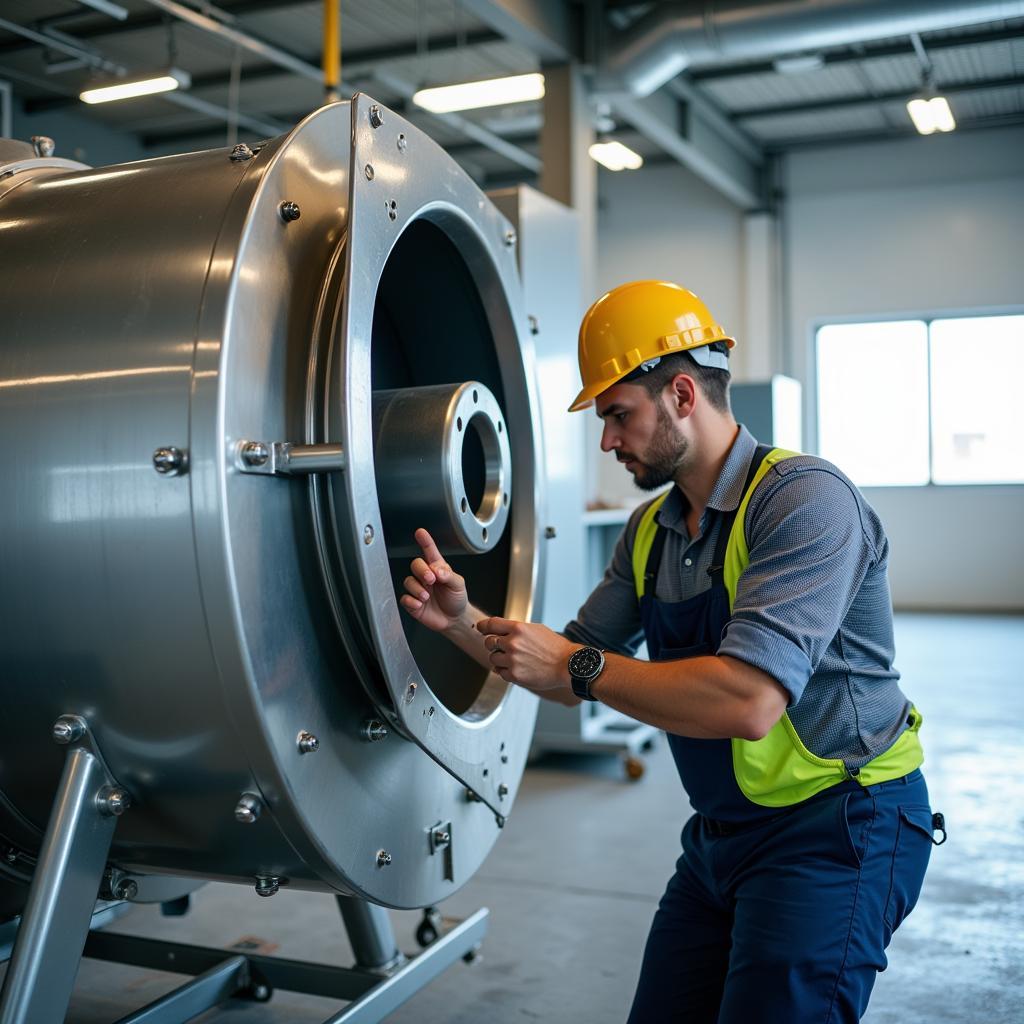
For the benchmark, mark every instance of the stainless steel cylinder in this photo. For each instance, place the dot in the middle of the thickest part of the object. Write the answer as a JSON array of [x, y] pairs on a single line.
[[201, 611]]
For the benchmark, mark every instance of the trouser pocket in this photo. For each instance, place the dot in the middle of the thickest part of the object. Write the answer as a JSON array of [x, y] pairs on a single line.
[[909, 862]]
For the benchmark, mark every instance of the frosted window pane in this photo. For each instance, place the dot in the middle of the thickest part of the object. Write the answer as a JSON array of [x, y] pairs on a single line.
[[873, 401], [977, 376]]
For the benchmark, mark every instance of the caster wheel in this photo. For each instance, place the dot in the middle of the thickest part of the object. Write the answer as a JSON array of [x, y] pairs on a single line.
[[429, 929], [634, 768]]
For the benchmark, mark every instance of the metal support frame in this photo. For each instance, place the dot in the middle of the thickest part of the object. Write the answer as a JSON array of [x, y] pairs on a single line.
[[62, 896], [375, 987], [6, 110]]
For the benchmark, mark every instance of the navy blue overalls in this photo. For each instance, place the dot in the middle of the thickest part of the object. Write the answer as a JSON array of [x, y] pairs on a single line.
[[773, 917]]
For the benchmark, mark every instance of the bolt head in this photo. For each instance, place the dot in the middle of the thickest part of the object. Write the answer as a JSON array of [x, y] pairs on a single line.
[[241, 153], [308, 743], [126, 889], [368, 171], [383, 858], [68, 729], [510, 238], [289, 211], [374, 731], [502, 790], [261, 993], [376, 116], [43, 145], [367, 534], [441, 837], [248, 808], [114, 802], [11, 855], [255, 453], [267, 886], [402, 143], [169, 461]]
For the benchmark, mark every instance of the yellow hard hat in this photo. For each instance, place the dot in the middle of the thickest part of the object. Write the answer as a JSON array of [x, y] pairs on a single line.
[[637, 323]]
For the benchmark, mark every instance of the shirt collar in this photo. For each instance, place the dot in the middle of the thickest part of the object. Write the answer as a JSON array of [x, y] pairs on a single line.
[[727, 493]]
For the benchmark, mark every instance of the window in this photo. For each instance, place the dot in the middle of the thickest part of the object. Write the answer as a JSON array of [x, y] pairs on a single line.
[[910, 402]]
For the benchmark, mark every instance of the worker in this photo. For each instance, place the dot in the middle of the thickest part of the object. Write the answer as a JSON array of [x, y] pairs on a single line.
[[758, 581]]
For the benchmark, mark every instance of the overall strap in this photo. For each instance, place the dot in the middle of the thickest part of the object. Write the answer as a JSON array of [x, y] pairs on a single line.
[[717, 567]]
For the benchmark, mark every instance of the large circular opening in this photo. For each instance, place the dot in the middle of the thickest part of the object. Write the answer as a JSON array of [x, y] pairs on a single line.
[[430, 327]]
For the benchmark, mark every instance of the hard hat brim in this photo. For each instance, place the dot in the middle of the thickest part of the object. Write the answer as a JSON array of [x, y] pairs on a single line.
[[585, 399]]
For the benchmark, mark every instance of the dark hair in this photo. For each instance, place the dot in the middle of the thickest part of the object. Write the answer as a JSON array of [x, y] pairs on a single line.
[[713, 382]]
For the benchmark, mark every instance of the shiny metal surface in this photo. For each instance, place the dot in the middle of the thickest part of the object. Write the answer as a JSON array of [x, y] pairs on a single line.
[[443, 462], [201, 622]]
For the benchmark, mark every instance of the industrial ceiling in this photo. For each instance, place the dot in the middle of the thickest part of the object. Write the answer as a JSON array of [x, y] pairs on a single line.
[[254, 69]]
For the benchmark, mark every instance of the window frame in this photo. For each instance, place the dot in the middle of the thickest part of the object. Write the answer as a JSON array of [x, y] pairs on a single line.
[[955, 313]]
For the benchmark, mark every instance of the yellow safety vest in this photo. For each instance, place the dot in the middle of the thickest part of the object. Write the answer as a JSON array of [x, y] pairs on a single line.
[[778, 770]]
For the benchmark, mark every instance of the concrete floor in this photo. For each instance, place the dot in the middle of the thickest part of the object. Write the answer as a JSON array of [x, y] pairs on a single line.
[[573, 882]]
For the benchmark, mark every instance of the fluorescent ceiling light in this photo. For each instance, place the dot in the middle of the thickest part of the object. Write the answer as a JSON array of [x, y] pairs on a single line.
[[490, 93], [800, 64], [931, 115], [615, 156], [141, 85]]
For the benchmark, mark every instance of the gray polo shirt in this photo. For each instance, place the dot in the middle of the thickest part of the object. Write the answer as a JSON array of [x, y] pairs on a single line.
[[812, 608]]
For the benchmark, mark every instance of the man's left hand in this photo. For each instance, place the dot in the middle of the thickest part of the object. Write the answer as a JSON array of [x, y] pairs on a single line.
[[529, 654]]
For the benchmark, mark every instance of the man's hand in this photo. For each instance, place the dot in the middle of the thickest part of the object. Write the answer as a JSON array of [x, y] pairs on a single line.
[[435, 594], [528, 654]]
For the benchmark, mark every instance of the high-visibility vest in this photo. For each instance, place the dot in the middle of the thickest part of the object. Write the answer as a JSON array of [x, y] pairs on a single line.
[[778, 770]]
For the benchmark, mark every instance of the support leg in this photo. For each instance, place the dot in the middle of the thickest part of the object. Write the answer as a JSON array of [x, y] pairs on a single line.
[[62, 895], [370, 932]]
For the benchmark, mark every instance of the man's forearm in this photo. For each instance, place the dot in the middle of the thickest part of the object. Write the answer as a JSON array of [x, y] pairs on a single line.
[[704, 698]]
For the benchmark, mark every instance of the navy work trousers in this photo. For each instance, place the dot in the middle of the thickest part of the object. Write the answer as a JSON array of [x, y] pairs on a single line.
[[787, 920]]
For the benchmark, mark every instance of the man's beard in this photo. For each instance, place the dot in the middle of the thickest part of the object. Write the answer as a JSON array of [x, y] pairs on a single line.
[[664, 456]]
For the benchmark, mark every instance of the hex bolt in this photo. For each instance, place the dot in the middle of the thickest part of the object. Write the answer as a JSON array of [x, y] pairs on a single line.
[[510, 238], [43, 145], [502, 791], [550, 533], [368, 171], [533, 324], [441, 837], [169, 461], [289, 211], [114, 801], [373, 731], [307, 743], [68, 729], [255, 453], [267, 885], [471, 796], [402, 142], [126, 889], [376, 116], [383, 858], [248, 808], [241, 153]]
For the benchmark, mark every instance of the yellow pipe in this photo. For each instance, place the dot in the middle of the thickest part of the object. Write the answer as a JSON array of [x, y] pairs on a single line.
[[332, 49]]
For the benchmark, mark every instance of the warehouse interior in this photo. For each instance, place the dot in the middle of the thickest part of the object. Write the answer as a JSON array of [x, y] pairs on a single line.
[[174, 608]]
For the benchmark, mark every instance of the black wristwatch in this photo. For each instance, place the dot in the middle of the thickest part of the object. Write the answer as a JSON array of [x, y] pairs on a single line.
[[585, 666]]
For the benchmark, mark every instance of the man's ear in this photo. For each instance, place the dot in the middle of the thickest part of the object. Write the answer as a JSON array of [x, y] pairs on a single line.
[[683, 393]]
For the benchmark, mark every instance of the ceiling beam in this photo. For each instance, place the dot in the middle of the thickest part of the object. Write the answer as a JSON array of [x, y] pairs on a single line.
[[902, 95], [865, 51], [357, 58]]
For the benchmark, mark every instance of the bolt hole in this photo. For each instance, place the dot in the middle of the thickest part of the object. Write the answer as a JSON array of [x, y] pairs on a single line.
[[485, 533], [500, 427], [476, 396], [502, 747], [487, 772], [504, 500], [458, 423], [465, 505]]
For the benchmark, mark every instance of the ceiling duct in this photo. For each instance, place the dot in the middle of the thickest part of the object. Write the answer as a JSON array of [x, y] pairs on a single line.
[[668, 41]]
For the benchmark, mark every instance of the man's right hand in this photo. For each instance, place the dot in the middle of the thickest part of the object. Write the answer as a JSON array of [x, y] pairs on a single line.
[[435, 595]]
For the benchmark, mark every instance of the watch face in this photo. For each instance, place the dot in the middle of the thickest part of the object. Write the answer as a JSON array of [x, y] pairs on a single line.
[[585, 662]]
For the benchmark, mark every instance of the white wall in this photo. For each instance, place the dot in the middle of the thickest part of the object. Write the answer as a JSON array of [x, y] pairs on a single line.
[[915, 227]]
